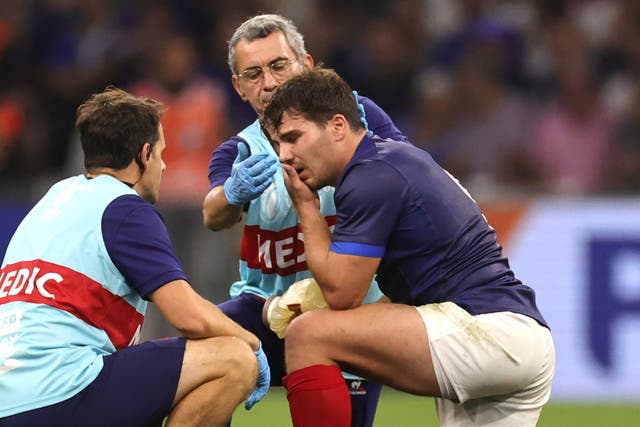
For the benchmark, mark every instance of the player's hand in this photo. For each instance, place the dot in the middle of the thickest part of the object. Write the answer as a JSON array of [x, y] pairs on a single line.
[[299, 192], [250, 175], [264, 378]]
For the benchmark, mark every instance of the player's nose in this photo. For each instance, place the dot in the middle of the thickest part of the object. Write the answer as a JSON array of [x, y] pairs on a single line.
[[284, 153]]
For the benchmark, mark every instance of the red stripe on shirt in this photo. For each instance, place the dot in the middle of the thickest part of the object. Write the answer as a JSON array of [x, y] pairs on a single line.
[[42, 282], [275, 252]]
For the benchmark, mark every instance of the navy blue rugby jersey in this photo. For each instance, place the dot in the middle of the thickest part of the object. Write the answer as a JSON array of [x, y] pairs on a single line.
[[395, 202]]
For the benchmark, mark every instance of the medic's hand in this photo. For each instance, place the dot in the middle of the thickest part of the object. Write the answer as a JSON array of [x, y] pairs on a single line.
[[302, 296], [264, 378], [363, 114], [250, 176]]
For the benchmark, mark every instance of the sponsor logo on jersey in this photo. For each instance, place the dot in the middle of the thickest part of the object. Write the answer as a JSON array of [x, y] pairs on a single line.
[[276, 252], [357, 387]]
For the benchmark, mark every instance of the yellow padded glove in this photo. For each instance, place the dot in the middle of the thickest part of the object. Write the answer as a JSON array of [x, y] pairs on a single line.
[[302, 296]]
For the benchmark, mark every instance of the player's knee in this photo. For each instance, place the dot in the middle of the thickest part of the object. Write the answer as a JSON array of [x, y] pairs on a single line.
[[305, 329]]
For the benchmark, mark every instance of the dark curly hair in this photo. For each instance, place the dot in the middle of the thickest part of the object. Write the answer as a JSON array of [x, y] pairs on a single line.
[[317, 95]]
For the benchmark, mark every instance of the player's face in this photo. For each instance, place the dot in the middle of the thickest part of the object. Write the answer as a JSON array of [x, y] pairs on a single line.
[[155, 167], [263, 65], [309, 148]]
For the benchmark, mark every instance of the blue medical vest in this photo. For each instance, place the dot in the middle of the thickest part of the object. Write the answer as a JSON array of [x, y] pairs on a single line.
[[63, 303]]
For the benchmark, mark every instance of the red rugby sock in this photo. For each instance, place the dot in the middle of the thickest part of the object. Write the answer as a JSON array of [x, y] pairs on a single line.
[[318, 397]]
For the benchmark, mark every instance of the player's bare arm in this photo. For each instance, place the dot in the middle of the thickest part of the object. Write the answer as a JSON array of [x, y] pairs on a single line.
[[344, 279], [194, 316]]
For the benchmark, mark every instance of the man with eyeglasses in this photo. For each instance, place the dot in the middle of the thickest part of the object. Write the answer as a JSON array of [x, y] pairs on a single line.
[[245, 176]]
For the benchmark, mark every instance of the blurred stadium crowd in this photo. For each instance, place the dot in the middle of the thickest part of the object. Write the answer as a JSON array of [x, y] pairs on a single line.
[[512, 97]]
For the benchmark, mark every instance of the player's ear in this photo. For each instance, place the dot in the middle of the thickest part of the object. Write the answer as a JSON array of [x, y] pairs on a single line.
[[339, 125]]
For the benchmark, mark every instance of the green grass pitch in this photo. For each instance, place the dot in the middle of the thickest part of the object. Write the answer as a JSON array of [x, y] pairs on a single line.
[[398, 409]]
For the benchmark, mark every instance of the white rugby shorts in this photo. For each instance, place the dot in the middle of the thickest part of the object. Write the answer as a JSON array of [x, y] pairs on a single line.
[[493, 369]]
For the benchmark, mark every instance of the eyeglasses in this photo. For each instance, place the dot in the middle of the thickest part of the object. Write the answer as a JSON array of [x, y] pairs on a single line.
[[279, 69]]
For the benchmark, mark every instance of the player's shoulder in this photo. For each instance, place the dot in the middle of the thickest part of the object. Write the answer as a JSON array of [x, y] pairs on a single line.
[[377, 148], [385, 160], [370, 161]]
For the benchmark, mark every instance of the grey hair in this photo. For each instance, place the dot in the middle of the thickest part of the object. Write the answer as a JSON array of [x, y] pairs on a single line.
[[261, 26]]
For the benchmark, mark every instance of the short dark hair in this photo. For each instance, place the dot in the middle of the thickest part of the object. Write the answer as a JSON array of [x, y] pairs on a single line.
[[317, 95], [114, 125]]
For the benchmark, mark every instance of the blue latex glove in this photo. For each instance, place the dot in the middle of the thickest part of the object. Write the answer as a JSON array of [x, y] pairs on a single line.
[[363, 114], [250, 175], [264, 378]]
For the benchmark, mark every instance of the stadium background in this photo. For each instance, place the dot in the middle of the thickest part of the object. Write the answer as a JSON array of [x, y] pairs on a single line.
[[534, 105]]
